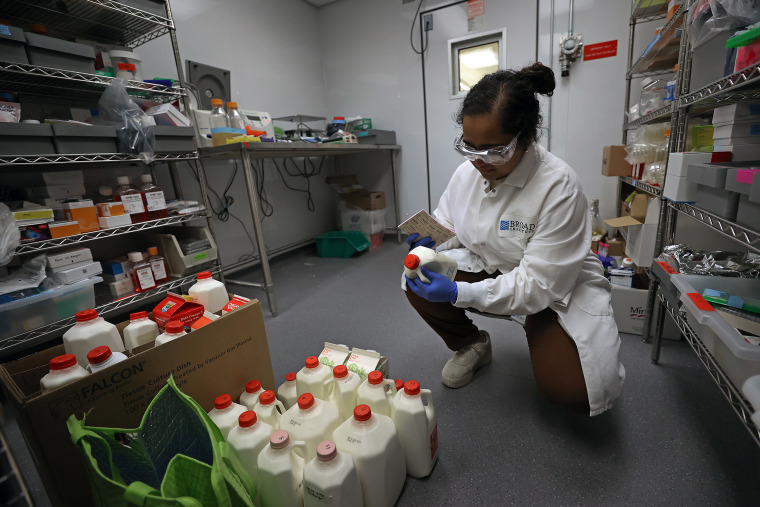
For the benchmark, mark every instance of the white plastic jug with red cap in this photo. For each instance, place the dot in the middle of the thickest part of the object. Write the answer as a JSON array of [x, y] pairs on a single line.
[[331, 479], [269, 409], [250, 396], [212, 294], [430, 259], [313, 378], [103, 357], [414, 415], [378, 393], [89, 332], [248, 439], [64, 369], [225, 413], [280, 467], [139, 331], [342, 390], [174, 329], [372, 441], [311, 420], [287, 392]]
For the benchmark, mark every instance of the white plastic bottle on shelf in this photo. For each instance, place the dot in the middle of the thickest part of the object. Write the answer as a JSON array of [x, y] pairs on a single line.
[[311, 420], [287, 392], [64, 369], [313, 378], [248, 438], [281, 471], [430, 259], [153, 198], [235, 119], [225, 413], [331, 479], [250, 396], [212, 294], [142, 274], [414, 415], [102, 357], [372, 441], [343, 389], [139, 331], [269, 409], [218, 117], [378, 393], [174, 329], [89, 332]]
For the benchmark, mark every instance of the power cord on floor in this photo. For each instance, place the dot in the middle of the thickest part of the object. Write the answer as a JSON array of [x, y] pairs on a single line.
[[304, 173]]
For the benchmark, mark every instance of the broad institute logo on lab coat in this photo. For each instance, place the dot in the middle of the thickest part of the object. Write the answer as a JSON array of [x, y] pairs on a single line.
[[517, 226]]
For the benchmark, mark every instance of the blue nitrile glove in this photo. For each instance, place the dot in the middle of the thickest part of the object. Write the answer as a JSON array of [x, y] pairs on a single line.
[[413, 243], [439, 290]]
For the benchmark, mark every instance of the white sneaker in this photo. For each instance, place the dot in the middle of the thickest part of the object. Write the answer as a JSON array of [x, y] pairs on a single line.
[[461, 367]]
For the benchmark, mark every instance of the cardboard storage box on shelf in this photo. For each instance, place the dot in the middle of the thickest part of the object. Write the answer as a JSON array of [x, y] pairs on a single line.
[[678, 188], [69, 258], [76, 273], [629, 305], [84, 213], [365, 200], [216, 359], [116, 221], [63, 229], [614, 162], [642, 220]]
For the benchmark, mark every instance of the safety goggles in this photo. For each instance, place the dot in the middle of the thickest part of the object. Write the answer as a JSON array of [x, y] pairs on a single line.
[[494, 156]]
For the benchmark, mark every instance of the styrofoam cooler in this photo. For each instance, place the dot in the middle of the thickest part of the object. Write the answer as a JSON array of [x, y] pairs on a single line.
[[738, 358]]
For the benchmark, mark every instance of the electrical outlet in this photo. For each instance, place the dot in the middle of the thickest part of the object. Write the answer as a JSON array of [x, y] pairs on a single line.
[[427, 22]]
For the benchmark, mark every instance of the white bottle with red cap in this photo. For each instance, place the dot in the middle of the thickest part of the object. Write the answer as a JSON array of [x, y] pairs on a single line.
[[64, 369], [225, 413], [89, 332], [174, 329], [372, 441], [311, 420], [342, 390], [414, 415], [248, 438], [269, 409], [103, 357], [430, 259], [140, 330], [212, 294], [378, 393], [281, 471], [331, 479], [250, 396], [313, 378], [287, 392]]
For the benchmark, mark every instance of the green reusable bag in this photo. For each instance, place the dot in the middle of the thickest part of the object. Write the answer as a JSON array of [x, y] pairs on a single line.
[[177, 457]]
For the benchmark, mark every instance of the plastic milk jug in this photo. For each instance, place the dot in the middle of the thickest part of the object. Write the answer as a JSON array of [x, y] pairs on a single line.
[[281, 471], [313, 378], [331, 479], [372, 440], [287, 392], [64, 369], [248, 438], [269, 409], [432, 260], [140, 330], [225, 413], [399, 384], [102, 357], [414, 415], [212, 294], [173, 330], [311, 420], [250, 396], [89, 332], [378, 393], [342, 390]]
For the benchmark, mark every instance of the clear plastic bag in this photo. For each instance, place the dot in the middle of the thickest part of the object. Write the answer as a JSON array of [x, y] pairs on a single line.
[[708, 18], [137, 129], [9, 235]]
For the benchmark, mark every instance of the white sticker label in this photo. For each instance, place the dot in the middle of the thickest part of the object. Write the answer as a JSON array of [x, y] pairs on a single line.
[[145, 278], [752, 340], [159, 270], [155, 200], [133, 203]]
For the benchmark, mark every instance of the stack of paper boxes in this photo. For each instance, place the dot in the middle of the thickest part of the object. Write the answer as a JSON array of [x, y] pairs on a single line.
[[70, 266], [737, 130], [116, 273]]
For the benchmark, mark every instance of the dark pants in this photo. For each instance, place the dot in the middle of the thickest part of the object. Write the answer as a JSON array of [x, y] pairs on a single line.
[[553, 354]]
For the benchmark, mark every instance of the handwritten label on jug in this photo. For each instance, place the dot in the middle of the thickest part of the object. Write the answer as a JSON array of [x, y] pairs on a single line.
[[352, 440]]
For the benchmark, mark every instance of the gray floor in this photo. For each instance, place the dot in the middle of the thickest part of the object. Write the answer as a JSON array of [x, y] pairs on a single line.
[[671, 439]]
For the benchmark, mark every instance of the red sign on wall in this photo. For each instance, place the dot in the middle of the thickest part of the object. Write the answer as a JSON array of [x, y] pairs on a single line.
[[475, 8], [600, 50]]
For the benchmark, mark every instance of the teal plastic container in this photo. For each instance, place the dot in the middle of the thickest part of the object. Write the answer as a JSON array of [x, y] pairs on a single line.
[[341, 244]]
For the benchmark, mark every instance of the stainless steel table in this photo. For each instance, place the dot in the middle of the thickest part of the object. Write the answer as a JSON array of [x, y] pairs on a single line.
[[247, 151]]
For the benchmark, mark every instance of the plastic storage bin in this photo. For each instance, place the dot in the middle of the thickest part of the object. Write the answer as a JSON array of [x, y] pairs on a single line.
[[341, 243], [711, 194], [58, 303], [174, 139], [738, 358], [26, 139], [179, 263], [12, 42], [79, 139], [740, 180], [59, 54]]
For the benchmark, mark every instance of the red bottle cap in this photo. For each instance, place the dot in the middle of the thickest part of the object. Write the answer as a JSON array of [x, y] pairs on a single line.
[[326, 450], [222, 402], [339, 118], [138, 315], [362, 413], [174, 327], [412, 261], [412, 387], [247, 419], [252, 386], [375, 377], [290, 377], [267, 397], [203, 275], [399, 384], [312, 362], [86, 315], [63, 361], [340, 371], [99, 354], [279, 439], [306, 400]]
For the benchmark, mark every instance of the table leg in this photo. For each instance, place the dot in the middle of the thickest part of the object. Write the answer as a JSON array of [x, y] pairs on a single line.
[[395, 194]]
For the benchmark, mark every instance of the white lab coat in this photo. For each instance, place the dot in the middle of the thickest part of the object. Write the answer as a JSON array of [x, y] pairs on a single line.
[[534, 228]]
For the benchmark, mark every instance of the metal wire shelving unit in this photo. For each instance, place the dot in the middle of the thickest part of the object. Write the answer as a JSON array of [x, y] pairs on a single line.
[[663, 54], [13, 490], [31, 160], [642, 186]]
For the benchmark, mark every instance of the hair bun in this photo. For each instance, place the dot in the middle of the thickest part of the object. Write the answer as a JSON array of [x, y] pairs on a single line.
[[540, 76]]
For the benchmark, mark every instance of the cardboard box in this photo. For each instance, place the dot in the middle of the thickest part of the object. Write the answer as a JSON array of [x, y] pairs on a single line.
[[640, 245], [116, 266], [334, 354], [362, 362], [642, 210], [117, 221], [68, 257], [629, 305], [114, 278], [219, 358], [175, 307], [615, 247], [76, 273], [365, 200], [110, 209], [614, 163], [234, 302], [63, 229], [121, 287], [84, 213]]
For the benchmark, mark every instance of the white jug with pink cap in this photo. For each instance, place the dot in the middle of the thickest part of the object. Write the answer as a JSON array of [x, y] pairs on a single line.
[[280, 466], [331, 479], [414, 415]]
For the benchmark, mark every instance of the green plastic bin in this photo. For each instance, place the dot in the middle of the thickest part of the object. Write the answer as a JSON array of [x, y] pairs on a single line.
[[341, 243]]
